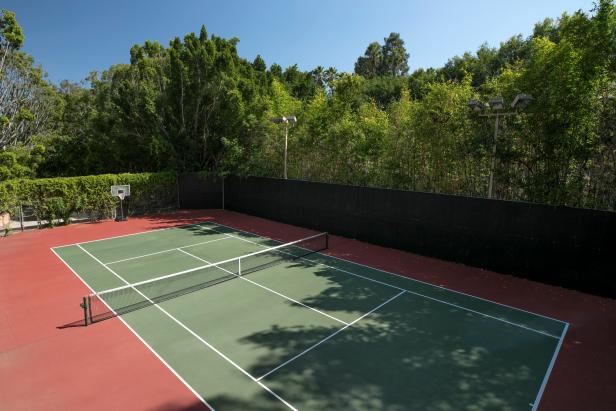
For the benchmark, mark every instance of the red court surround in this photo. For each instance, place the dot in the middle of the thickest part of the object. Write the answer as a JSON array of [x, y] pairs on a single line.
[[106, 367]]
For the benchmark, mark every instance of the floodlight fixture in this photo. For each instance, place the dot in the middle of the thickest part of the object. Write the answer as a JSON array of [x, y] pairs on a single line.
[[496, 103], [291, 119], [476, 105], [521, 100], [279, 120]]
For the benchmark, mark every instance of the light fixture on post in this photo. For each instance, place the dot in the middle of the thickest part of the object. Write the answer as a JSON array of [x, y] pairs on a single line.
[[496, 105], [521, 101], [286, 120], [476, 105]]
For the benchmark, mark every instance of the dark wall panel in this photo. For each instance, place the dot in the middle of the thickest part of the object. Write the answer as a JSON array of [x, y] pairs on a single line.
[[574, 248], [197, 191]]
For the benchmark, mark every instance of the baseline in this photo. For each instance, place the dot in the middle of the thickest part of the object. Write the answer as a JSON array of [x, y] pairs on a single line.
[[131, 234]]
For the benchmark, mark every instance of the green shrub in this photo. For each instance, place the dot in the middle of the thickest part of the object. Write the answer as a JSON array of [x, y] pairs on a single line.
[[51, 208], [54, 198]]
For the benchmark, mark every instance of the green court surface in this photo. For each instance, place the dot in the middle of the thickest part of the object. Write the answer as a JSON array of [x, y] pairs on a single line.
[[318, 332]]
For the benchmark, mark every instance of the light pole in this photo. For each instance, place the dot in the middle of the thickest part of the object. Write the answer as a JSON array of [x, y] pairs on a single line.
[[496, 105], [286, 120]]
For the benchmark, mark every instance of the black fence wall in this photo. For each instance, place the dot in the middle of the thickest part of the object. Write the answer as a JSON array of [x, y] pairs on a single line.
[[198, 191], [574, 248]]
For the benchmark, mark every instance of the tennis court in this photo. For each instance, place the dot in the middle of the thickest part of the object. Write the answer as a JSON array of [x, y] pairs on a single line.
[[288, 327]]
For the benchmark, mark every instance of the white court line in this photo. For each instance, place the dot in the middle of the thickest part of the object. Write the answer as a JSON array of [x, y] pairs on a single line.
[[131, 234], [330, 336], [544, 383], [174, 372], [269, 289], [416, 293], [191, 331], [394, 274], [168, 250]]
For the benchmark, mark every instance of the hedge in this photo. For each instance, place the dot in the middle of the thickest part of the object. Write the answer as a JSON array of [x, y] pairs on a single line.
[[54, 198]]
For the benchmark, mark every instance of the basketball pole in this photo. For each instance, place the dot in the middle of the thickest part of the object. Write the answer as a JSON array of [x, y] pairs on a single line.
[[121, 218]]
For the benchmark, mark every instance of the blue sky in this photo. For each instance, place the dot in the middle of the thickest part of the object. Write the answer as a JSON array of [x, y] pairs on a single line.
[[72, 37]]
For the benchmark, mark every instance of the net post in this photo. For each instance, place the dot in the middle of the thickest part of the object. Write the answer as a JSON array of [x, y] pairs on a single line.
[[326, 240], [84, 306], [239, 266], [21, 216], [90, 308]]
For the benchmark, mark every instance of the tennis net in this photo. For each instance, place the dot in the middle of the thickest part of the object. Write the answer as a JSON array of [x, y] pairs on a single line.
[[117, 301]]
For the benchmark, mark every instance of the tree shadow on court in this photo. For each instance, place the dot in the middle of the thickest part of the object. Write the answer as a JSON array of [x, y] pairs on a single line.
[[412, 353], [209, 227], [175, 219]]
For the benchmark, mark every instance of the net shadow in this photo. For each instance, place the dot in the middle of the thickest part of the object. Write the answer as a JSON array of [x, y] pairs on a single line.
[[74, 324]]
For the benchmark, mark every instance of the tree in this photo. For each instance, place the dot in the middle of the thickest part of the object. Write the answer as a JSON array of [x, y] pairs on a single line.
[[11, 35], [395, 57], [324, 78], [259, 64], [26, 100], [420, 79], [371, 63], [384, 90], [194, 105], [390, 59], [20, 162], [301, 84], [275, 71]]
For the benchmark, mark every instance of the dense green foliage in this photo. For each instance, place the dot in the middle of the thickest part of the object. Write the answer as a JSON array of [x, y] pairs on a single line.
[[196, 105], [58, 198], [26, 100], [390, 59]]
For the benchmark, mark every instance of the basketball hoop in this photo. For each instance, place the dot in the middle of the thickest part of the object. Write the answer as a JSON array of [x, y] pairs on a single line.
[[121, 191]]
